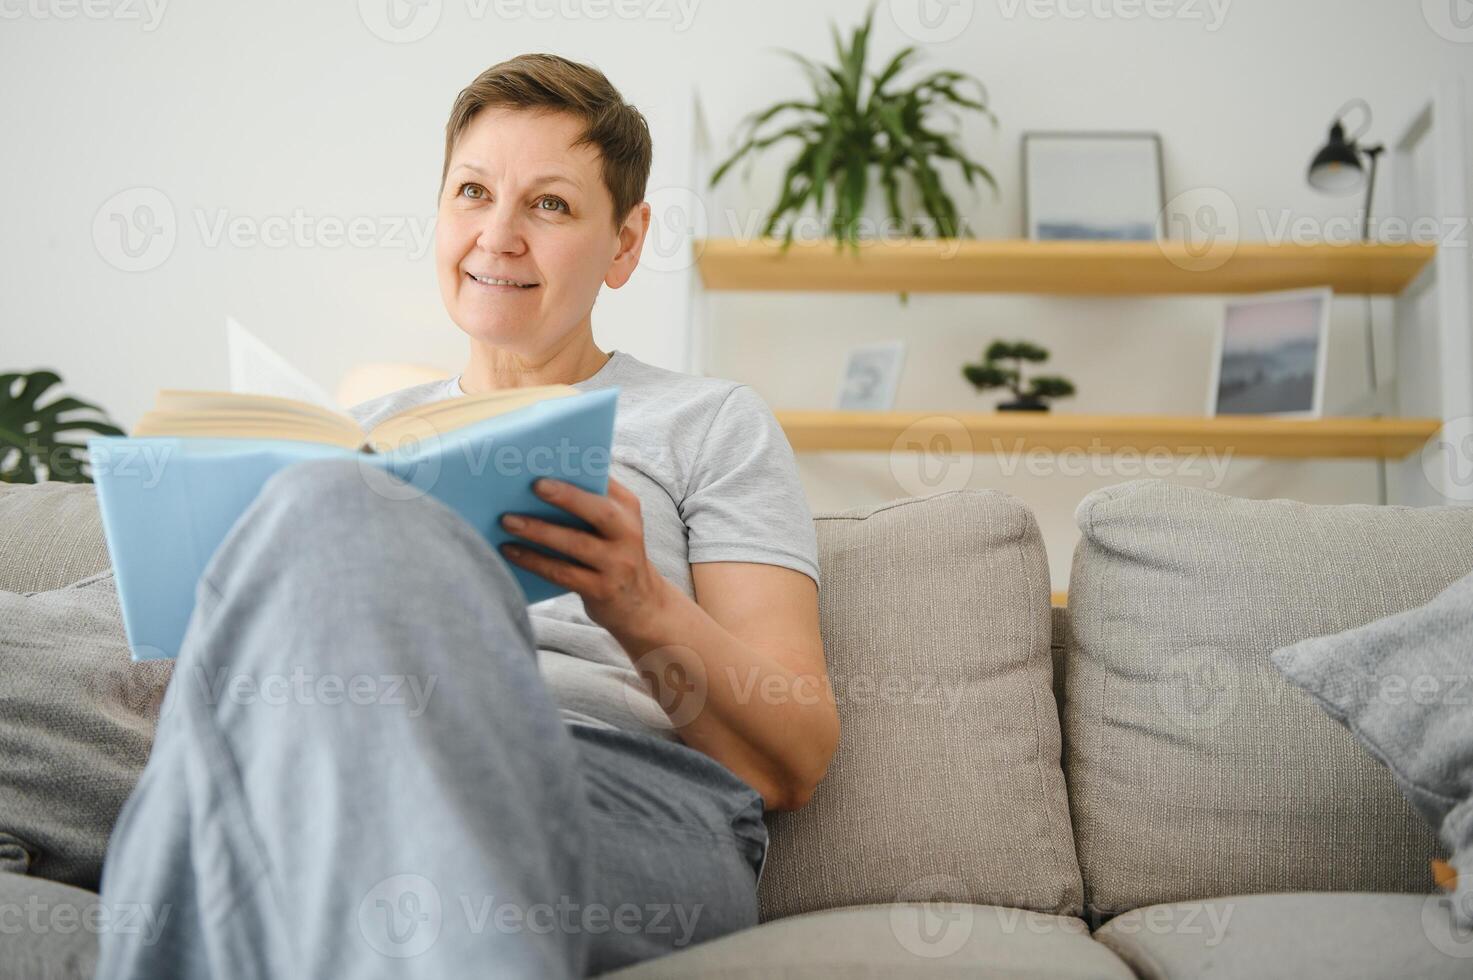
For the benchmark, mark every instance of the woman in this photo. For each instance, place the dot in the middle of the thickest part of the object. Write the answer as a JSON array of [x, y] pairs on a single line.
[[376, 758]]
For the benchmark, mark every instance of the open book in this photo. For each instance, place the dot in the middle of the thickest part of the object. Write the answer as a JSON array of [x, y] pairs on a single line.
[[236, 416], [173, 490]]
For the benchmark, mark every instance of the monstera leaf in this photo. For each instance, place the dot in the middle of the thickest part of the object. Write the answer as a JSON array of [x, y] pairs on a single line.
[[34, 437]]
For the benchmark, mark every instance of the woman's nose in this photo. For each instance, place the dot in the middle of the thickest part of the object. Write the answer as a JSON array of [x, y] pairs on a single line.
[[501, 229]]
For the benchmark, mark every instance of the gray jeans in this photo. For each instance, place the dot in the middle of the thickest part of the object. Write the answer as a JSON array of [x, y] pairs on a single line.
[[359, 772]]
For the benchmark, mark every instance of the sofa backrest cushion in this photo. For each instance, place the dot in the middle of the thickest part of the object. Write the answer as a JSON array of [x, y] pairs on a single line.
[[946, 783], [50, 535], [77, 717], [1195, 769]]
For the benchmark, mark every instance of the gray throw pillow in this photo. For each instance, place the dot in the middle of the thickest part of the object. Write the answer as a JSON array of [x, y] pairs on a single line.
[[77, 718], [1403, 685]]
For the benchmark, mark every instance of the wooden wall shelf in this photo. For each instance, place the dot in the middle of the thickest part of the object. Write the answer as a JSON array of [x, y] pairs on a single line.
[[1056, 267], [1004, 432]]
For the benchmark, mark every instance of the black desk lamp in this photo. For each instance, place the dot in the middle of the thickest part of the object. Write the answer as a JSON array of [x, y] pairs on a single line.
[[1337, 167]]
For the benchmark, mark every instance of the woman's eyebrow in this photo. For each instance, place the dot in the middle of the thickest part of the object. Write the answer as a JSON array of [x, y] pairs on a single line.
[[548, 178]]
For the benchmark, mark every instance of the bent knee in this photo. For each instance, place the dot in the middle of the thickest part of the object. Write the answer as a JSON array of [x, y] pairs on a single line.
[[318, 479]]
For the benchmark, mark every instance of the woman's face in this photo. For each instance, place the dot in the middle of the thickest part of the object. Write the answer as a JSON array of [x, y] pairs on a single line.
[[520, 203]]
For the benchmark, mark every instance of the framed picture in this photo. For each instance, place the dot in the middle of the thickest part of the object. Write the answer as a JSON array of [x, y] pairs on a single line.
[[871, 375], [1093, 186], [1270, 355]]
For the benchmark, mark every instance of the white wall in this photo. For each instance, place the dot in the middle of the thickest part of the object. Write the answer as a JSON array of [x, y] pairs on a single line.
[[248, 111]]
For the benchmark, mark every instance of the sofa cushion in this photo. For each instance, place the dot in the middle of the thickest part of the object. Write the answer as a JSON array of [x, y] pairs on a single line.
[[76, 723], [1404, 686], [1345, 935], [50, 930], [896, 942], [946, 783], [50, 535], [1195, 770]]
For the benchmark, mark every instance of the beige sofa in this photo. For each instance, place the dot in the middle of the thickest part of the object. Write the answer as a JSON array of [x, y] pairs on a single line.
[[1126, 788]]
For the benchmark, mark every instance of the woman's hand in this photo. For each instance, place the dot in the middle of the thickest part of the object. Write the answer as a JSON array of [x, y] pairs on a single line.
[[762, 703], [621, 588]]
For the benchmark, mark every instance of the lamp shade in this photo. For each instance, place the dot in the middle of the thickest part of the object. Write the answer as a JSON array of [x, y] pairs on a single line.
[[1336, 168]]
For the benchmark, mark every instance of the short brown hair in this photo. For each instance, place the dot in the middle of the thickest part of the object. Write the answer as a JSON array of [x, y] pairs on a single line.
[[549, 83]]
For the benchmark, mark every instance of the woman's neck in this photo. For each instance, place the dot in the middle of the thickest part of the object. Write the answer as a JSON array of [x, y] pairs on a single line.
[[493, 368]]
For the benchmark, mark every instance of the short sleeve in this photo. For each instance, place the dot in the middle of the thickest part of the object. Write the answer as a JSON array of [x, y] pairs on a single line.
[[744, 501]]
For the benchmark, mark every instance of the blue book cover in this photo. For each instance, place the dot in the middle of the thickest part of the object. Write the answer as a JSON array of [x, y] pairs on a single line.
[[167, 502]]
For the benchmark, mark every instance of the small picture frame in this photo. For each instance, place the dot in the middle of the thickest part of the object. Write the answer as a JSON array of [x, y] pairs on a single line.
[[1270, 355], [1101, 186], [871, 377]]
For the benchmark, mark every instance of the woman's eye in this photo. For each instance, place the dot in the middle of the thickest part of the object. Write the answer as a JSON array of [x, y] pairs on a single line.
[[476, 192]]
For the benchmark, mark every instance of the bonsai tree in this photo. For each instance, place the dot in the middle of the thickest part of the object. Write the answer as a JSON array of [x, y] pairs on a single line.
[[843, 130], [33, 436], [994, 372]]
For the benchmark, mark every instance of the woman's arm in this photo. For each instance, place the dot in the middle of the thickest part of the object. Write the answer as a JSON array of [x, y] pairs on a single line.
[[749, 648], [739, 670]]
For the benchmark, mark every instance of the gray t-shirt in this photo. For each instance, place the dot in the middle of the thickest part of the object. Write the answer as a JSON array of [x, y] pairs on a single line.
[[716, 480]]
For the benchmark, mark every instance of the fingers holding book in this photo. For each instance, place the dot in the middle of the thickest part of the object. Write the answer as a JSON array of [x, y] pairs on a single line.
[[609, 568]]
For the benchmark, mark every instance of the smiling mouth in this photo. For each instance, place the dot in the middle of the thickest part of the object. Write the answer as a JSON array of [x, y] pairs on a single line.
[[488, 281]]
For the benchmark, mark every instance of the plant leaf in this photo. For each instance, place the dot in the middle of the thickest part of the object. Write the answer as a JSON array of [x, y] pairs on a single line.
[[31, 444], [896, 66], [845, 132]]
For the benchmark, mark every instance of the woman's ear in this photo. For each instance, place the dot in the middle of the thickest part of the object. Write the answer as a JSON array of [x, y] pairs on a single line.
[[631, 242]]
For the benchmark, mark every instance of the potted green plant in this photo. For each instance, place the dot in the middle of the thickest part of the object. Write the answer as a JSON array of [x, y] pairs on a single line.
[[33, 436], [992, 373], [844, 131]]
